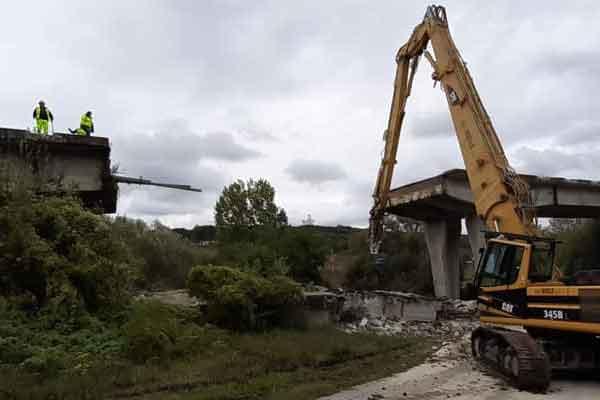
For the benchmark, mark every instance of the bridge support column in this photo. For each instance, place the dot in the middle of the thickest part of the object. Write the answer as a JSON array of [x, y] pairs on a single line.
[[443, 239], [476, 237]]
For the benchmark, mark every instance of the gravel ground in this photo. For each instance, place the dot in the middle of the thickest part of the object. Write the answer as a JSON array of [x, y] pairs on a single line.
[[452, 374]]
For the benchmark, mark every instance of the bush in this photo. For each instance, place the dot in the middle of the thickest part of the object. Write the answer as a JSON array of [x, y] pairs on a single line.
[[156, 331], [47, 362], [579, 249], [61, 254], [151, 331], [162, 257], [297, 252], [305, 251], [243, 300], [13, 350], [406, 266]]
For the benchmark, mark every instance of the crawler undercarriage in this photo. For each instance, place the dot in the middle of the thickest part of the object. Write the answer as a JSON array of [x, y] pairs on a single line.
[[527, 360]]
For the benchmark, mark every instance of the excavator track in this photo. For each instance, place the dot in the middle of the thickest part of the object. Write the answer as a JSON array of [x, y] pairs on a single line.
[[516, 355]]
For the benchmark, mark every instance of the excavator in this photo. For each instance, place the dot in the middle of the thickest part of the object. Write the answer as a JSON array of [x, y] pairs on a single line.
[[533, 320]]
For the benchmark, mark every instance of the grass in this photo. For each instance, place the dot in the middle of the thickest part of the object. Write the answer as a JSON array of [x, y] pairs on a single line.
[[215, 364]]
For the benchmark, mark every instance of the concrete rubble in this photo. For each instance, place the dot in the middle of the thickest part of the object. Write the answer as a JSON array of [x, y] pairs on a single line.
[[388, 327], [391, 313], [421, 316]]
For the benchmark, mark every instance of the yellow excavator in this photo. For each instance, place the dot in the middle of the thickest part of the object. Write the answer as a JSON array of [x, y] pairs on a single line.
[[533, 320]]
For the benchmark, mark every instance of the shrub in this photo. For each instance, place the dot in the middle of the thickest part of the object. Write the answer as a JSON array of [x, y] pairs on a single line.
[[162, 257], [151, 331], [297, 252], [579, 249], [13, 350], [46, 362], [305, 252], [405, 267], [243, 300], [61, 254]]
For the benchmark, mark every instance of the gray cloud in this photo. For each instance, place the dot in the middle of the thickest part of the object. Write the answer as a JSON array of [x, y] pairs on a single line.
[[314, 171], [222, 146], [555, 162], [175, 143], [424, 125], [256, 134], [581, 132], [582, 63]]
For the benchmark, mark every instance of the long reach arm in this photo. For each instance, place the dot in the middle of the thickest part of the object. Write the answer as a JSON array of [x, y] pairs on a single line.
[[501, 197]]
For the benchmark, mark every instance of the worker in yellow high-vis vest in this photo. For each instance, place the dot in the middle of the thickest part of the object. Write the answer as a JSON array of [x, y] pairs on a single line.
[[42, 116], [86, 125]]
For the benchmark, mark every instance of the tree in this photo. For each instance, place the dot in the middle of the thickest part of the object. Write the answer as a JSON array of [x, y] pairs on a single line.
[[244, 206], [579, 249]]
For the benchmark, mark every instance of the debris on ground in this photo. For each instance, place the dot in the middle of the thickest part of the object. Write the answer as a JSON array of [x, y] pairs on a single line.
[[384, 326], [407, 314]]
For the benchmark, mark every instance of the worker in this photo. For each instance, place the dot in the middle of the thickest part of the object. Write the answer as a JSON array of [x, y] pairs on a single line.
[[42, 116], [86, 125]]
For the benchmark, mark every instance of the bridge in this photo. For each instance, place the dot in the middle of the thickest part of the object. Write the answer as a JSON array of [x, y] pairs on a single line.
[[443, 201], [62, 163]]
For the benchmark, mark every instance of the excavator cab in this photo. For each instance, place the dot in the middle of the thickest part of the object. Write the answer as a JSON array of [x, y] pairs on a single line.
[[501, 265], [512, 262]]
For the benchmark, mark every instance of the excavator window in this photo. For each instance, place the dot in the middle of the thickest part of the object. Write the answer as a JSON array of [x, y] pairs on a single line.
[[501, 264], [542, 260]]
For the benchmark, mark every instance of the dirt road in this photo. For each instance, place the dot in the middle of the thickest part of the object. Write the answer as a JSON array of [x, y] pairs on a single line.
[[451, 374]]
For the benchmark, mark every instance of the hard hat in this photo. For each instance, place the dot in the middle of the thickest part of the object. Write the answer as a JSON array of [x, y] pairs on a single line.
[[41, 102]]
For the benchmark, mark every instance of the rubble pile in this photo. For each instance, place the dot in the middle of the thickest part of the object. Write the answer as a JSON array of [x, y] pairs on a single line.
[[388, 327], [455, 308], [453, 319]]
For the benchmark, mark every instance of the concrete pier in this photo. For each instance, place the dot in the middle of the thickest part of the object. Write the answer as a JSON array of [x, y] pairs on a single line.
[[442, 237]]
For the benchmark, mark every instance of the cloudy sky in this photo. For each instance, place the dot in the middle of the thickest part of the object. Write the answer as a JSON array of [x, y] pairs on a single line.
[[297, 92]]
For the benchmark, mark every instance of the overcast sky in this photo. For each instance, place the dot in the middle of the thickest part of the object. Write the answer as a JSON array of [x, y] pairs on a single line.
[[297, 92]]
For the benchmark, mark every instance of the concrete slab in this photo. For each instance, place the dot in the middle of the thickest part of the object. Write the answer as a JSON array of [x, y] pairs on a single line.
[[62, 162], [449, 195]]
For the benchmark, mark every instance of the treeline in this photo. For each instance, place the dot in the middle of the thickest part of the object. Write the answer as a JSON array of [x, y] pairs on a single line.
[[208, 233], [580, 247]]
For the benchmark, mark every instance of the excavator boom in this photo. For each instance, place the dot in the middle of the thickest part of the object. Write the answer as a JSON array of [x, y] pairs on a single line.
[[501, 197]]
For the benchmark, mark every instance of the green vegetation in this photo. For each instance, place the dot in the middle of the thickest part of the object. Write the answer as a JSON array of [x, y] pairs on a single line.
[[162, 258], [406, 266], [58, 258], [245, 206], [70, 326], [243, 300], [199, 233], [579, 249], [253, 235], [161, 353]]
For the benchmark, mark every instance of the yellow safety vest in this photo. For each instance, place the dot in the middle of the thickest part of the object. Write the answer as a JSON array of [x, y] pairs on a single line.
[[86, 121]]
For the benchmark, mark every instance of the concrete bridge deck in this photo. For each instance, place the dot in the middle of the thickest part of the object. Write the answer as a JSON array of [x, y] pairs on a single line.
[[449, 194], [443, 201], [62, 162]]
